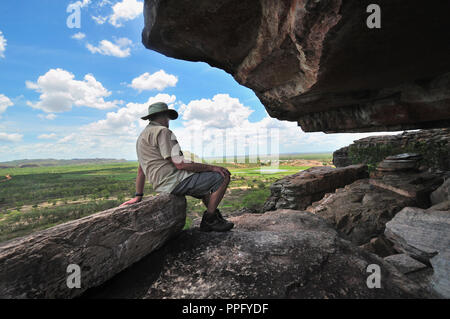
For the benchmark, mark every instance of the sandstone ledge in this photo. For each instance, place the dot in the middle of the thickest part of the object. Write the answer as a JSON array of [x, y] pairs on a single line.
[[317, 62], [102, 245], [300, 190]]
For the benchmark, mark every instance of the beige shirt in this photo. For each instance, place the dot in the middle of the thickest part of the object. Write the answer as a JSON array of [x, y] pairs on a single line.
[[154, 147]]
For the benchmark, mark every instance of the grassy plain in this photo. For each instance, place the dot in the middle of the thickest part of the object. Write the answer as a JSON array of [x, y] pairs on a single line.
[[36, 198]]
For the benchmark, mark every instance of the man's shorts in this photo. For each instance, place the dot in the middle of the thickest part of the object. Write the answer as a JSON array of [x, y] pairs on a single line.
[[199, 185]]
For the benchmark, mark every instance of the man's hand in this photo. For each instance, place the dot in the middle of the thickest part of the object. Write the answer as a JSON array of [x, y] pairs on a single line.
[[221, 170], [181, 163], [135, 200]]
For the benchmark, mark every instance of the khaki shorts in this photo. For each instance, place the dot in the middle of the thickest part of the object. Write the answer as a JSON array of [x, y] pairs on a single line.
[[199, 185]]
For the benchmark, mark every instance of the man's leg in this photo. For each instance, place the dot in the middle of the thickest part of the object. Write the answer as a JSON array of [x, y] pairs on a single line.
[[205, 200], [213, 200]]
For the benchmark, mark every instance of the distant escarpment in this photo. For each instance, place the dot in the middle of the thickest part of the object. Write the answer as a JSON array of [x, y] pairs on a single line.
[[433, 145], [318, 62]]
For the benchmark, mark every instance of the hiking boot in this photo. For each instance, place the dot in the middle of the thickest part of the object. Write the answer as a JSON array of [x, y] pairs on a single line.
[[214, 223], [219, 214]]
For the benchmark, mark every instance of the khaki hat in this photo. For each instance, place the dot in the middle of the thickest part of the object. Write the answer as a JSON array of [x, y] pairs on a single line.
[[160, 107]]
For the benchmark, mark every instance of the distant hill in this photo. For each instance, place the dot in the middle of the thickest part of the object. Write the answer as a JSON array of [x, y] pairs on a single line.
[[55, 162]]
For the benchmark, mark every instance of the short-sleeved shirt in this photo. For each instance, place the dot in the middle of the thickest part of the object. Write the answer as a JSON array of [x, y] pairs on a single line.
[[154, 147]]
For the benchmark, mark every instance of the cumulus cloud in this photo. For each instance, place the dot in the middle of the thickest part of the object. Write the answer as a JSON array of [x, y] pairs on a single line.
[[5, 102], [2, 45], [120, 49], [79, 36], [5, 137], [156, 81], [124, 11], [113, 136], [47, 136], [127, 120], [222, 111], [60, 92]]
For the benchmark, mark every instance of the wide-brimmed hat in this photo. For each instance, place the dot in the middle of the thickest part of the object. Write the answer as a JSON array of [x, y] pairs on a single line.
[[160, 107]]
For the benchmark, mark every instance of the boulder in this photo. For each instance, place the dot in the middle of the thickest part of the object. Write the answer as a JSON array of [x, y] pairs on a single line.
[[360, 211], [441, 194], [298, 191], [279, 254], [440, 281], [102, 245], [424, 235], [317, 62]]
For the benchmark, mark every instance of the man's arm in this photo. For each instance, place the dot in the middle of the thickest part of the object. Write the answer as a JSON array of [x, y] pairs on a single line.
[[170, 150], [140, 182], [181, 163]]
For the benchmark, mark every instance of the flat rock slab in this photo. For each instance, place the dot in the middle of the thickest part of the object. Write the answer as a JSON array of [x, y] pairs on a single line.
[[279, 254], [420, 233], [102, 245], [298, 191], [405, 263], [425, 235], [415, 185], [360, 211]]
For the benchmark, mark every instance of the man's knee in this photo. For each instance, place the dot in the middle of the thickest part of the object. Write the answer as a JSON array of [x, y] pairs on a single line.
[[226, 180]]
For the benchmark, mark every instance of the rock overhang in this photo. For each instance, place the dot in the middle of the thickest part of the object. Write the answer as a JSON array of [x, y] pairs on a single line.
[[317, 62]]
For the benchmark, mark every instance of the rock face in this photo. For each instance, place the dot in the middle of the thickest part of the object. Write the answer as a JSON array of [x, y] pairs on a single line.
[[317, 62], [280, 254], [361, 210], [425, 235], [298, 191], [432, 145], [102, 245]]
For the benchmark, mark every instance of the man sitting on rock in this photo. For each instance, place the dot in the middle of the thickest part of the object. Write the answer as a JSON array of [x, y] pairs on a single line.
[[162, 162]]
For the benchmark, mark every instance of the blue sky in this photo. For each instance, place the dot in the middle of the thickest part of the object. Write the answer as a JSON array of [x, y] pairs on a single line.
[[79, 92]]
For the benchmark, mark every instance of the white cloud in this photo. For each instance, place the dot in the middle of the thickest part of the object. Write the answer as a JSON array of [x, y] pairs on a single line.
[[50, 116], [124, 11], [47, 136], [120, 49], [127, 120], [5, 102], [156, 81], [80, 4], [221, 112], [60, 92], [114, 136], [10, 137], [79, 36], [99, 19], [2, 45]]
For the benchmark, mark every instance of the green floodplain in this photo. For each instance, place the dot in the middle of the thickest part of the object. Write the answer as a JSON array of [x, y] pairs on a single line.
[[36, 198]]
